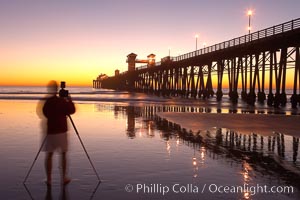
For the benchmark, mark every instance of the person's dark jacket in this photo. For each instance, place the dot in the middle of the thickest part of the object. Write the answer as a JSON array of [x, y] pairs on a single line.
[[56, 110]]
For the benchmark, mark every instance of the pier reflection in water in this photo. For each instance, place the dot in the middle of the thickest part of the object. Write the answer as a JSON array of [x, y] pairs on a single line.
[[274, 156], [132, 145]]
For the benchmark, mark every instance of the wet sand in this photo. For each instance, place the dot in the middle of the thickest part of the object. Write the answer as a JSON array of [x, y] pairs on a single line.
[[244, 123], [129, 145]]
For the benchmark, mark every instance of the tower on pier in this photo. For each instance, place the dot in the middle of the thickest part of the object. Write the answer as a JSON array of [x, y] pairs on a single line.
[[131, 61]]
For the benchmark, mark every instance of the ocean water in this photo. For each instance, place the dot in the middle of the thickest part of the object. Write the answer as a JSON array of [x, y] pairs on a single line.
[[91, 95], [140, 156]]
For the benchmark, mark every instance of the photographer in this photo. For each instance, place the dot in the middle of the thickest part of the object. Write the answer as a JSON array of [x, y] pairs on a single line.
[[56, 109]]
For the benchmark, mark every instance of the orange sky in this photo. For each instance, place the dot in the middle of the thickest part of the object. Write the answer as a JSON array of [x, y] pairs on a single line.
[[75, 42]]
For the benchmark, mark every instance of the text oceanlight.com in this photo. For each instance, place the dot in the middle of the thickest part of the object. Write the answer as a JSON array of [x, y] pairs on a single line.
[[211, 188]]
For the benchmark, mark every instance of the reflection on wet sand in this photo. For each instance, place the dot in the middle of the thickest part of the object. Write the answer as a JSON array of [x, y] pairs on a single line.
[[270, 157], [295, 148], [63, 193], [246, 169], [130, 122], [275, 155], [186, 108]]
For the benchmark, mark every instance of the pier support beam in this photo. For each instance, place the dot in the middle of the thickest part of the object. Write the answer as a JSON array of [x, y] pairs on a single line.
[[220, 70], [209, 86], [244, 73], [251, 98], [261, 94], [271, 95], [295, 99]]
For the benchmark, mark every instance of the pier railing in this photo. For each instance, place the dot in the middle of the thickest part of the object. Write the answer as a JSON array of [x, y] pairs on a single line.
[[271, 31]]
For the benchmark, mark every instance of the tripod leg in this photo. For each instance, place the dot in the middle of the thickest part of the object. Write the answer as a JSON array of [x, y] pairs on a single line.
[[37, 155], [84, 148]]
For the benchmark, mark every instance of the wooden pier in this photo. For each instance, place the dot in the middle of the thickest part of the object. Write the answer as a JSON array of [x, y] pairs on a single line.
[[257, 63]]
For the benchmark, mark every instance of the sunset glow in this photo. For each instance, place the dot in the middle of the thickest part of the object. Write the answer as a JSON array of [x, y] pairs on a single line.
[[77, 41]]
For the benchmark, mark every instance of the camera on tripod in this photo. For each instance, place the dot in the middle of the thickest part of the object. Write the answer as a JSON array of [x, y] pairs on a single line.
[[62, 91]]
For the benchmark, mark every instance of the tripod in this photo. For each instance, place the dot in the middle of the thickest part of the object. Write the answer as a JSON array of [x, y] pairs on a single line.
[[37, 155], [84, 148]]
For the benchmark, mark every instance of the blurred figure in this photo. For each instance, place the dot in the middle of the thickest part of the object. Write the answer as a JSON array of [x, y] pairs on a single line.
[[56, 109]]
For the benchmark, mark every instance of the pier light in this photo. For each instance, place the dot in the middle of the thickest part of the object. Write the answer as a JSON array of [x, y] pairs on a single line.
[[204, 44], [249, 13], [196, 36]]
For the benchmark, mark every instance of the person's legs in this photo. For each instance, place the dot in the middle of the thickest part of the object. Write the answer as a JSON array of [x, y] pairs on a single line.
[[48, 167], [65, 178]]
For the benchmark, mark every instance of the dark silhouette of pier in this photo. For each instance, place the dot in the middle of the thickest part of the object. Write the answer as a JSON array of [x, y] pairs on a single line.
[[256, 63]]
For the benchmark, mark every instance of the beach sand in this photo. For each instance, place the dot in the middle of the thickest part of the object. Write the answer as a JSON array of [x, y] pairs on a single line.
[[244, 123], [129, 146]]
